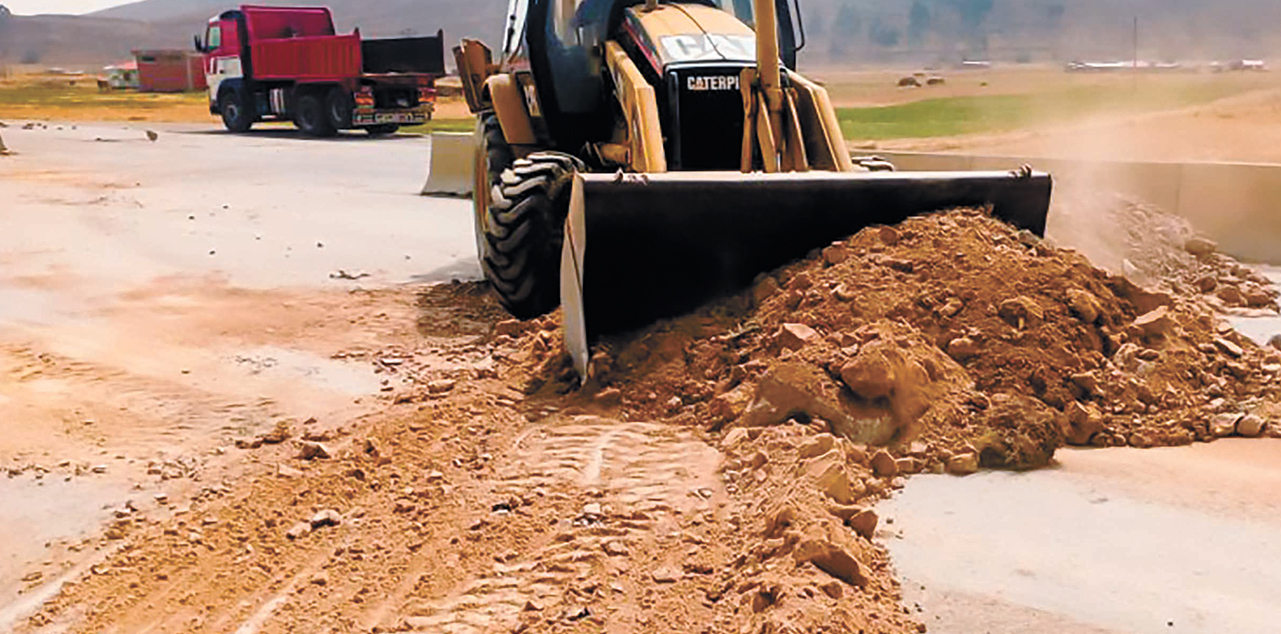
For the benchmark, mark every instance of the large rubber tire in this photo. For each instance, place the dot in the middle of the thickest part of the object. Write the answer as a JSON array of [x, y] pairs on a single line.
[[237, 115], [520, 224], [339, 106], [312, 118]]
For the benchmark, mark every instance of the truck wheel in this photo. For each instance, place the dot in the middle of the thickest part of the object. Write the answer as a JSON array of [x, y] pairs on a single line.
[[525, 230], [312, 119], [382, 129], [237, 116], [339, 106]]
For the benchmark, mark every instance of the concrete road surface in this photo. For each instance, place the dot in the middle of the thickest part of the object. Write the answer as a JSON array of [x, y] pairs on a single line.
[[1117, 541], [160, 299]]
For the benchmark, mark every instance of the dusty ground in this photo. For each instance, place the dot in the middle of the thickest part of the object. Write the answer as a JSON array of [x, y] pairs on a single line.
[[213, 429]]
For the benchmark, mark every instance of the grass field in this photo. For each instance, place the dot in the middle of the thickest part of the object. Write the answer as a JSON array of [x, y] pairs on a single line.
[[976, 114]]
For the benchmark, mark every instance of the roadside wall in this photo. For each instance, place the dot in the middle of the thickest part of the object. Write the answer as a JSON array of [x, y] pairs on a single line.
[[1237, 205]]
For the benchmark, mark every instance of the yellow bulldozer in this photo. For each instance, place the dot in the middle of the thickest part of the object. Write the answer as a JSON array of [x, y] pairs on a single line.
[[635, 158]]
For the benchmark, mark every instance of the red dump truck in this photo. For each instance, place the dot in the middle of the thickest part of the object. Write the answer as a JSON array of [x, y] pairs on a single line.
[[289, 64]]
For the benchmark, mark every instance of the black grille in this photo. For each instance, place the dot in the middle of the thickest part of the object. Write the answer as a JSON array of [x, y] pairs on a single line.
[[705, 106]]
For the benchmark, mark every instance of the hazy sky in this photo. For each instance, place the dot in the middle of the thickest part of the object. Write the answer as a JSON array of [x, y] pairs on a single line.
[[29, 7]]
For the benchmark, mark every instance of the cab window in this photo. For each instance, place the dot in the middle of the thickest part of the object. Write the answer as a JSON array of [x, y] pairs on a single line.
[[213, 40]]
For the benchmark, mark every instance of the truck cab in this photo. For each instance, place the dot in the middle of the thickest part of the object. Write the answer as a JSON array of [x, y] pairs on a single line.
[[290, 64]]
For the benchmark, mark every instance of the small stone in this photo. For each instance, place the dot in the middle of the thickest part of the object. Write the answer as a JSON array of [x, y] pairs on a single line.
[[1084, 305], [99, 469], [833, 589], [1087, 381], [1250, 426], [832, 559], [864, 523], [1157, 323], [313, 451], [889, 235], [441, 386], [836, 254], [962, 348], [615, 548], [1231, 296], [33, 577], [510, 328], [816, 446], [764, 290], [1021, 312], [963, 464], [299, 530], [870, 375], [951, 308], [1275, 342], [320, 579], [1200, 247], [326, 518], [1230, 348], [884, 465], [1224, 425], [1207, 283], [666, 575], [1258, 298], [592, 509], [796, 336]]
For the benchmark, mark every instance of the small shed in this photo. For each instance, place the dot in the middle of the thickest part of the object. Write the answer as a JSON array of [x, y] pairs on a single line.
[[170, 71]]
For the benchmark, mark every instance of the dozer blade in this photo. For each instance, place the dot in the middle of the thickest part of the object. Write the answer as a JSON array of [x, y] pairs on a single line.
[[644, 247]]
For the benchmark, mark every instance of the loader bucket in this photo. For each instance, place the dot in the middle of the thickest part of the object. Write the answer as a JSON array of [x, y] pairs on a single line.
[[644, 247], [452, 163]]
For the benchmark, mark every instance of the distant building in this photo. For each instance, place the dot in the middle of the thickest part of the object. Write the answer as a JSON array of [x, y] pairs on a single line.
[[170, 71]]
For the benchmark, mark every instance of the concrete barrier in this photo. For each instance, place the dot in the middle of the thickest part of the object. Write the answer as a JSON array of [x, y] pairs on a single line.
[[1237, 205], [452, 165]]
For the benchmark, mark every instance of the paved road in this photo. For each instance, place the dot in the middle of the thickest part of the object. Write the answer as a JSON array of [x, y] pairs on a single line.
[[1111, 541], [158, 299]]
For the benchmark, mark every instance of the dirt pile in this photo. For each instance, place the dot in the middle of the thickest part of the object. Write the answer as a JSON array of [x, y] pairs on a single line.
[[952, 334], [1156, 249]]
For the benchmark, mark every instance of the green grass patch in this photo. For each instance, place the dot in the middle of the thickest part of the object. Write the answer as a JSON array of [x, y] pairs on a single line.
[[85, 95], [442, 125], [956, 116]]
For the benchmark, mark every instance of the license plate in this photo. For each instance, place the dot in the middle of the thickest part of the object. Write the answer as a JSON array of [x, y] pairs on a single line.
[[410, 118]]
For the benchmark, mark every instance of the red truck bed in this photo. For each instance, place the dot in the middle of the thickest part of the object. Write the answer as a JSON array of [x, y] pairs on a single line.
[[319, 58]]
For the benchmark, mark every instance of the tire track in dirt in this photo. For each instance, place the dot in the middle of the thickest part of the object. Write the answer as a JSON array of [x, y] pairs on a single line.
[[637, 474]]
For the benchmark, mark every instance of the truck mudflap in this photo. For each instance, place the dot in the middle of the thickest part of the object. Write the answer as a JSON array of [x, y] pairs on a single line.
[[645, 247]]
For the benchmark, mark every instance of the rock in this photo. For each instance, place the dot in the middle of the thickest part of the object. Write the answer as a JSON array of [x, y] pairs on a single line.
[[836, 254], [963, 464], [833, 480], [1087, 381], [1084, 422], [325, 518], [796, 336], [314, 451], [1256, 297], [864, 523], [665, 575], [889, 235], [1275, 342], [299, 530], [277, 435], [884, 465], [833, 589], [1231, 296], [320, 579], [963, 348], [791, 388], [1200, 247], [764, 290], [1157, 323], [510, 328], [1207, 283], [870, 375], [951, 308], [731, 405], [1250, 426], [832, 559], [615, 548], [1224, 425], [609, 397], [1084, 305], [152, 135], [817, 446], [441, 386], [1230, 348], [1021, 312]]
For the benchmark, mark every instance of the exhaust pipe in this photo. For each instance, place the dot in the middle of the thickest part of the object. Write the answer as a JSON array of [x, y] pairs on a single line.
[[645, 247]]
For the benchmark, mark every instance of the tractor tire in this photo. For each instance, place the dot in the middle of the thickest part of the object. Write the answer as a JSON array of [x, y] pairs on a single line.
[[340, 107], [312, 117], [521, 229], [237, 116], [382, 129]]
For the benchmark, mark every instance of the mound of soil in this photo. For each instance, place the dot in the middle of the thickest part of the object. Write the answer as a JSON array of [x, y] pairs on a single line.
[[951, 332]]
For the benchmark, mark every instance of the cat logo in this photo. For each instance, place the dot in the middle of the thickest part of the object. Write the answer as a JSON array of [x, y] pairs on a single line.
[[715, 82]]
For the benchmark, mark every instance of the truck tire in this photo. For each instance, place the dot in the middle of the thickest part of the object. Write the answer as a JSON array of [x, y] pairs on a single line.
[[339, 106], [382, 129], [312, 118], [524, 232], [237, 115]]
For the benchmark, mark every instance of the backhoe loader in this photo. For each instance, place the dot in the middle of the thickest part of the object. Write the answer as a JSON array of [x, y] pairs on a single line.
[[635, 158]]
